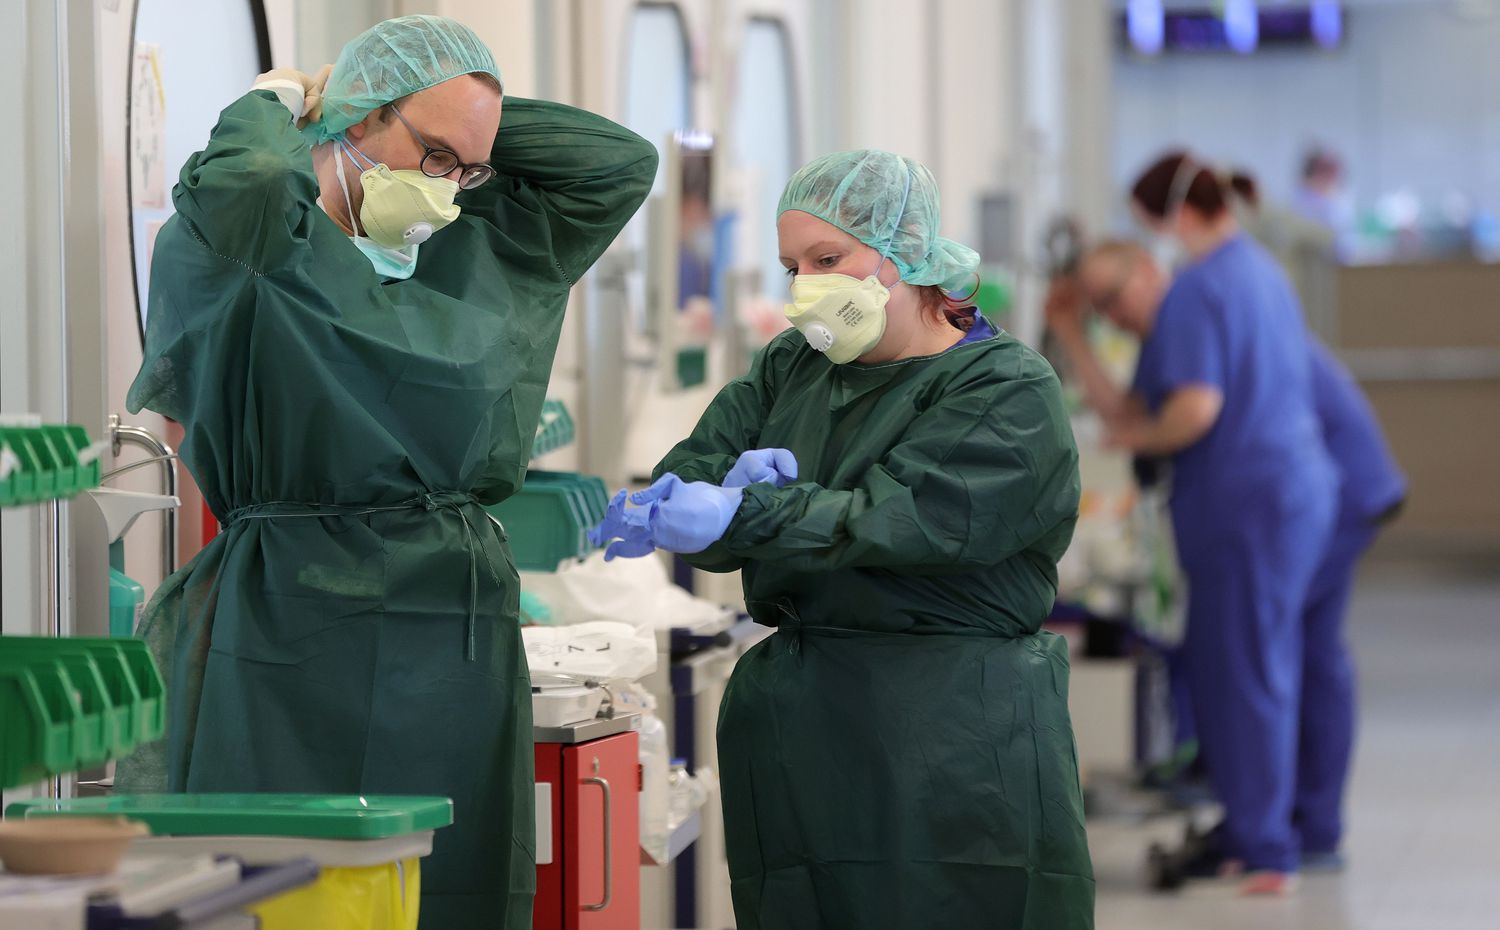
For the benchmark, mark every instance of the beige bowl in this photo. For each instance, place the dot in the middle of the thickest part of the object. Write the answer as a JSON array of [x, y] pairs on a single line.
[[66, 845]]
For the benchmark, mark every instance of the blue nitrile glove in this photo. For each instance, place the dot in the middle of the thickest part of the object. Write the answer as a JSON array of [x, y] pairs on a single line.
[[688, 517], [777, 466], [625, 529]]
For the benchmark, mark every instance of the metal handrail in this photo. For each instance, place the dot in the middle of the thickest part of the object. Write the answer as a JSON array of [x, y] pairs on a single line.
[[120, 435]]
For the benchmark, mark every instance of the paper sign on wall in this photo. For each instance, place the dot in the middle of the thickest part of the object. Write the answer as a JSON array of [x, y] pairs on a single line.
[[148, 129]]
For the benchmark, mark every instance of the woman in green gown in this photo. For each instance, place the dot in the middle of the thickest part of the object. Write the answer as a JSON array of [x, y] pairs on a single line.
[[899, 755]]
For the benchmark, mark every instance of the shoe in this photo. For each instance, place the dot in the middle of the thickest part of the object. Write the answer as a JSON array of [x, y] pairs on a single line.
[[1268, 885], [1324, 863]]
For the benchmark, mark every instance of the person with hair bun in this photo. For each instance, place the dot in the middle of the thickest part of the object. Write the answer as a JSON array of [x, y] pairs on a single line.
[[1223, 389], [1119, 280]]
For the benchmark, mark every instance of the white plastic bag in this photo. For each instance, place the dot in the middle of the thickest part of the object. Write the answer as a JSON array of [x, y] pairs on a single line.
[[634, 591], [596, 651]]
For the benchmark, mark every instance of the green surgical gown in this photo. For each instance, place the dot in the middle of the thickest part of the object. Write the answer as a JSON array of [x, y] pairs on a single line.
[[355, 627], [899, 755]]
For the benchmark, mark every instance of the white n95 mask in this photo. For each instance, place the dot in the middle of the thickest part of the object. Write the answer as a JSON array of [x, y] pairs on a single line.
[[841, 316], [402, 207]]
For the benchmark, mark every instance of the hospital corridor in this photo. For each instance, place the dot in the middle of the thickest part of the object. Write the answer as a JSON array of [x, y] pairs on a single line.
[[750, 465]]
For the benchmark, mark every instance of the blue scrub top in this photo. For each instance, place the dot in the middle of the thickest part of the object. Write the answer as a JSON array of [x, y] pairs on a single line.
[[1371, 481], [979, 329], [1232, 321]]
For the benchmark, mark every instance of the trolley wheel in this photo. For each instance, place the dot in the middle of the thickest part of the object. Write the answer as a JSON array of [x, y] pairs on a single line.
[[1164, 868]]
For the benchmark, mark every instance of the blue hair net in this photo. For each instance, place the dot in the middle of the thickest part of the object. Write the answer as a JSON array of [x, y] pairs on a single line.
[[392, 60], [889, 203]]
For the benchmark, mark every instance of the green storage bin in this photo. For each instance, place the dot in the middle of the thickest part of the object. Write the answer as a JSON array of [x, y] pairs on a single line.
[[23, 482], [573, 491], [555, 429], [66, 479], [49, 465], [72, 441], [368, 849], [592, 492], [308, 816], [544, 527], [38, 713], [96, 727], [8, 493], [118, 705], [142, 677]]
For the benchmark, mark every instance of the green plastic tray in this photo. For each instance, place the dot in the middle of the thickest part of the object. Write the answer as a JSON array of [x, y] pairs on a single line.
[[39, 710], [549, 518], [117, 699], [544, 526], [21, 486], [555, 429], [151, 690], [49, 465], [306, 816], [595, 493], [96, 726]]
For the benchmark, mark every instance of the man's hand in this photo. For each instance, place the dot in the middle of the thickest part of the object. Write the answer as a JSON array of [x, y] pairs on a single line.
[[302, 93]]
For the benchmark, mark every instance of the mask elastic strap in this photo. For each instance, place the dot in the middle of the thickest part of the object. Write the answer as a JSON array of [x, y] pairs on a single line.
[[371, 164], [1177, 194], [900, 215], [344, 183]]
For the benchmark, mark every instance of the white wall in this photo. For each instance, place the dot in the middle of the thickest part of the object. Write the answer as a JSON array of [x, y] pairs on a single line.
[[324, 26], [1411, 102], [51, 322], [30, 305], [508, 27]]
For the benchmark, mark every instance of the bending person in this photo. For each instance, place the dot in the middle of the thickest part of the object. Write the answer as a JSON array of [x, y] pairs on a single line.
[[1224, 388], [355, 324], [896, 478], [1125, 285]]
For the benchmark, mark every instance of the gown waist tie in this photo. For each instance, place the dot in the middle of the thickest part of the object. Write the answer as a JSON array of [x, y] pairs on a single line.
[[451, 501]]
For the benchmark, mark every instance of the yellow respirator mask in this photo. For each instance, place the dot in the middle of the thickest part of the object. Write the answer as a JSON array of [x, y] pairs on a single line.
[[841, 316]]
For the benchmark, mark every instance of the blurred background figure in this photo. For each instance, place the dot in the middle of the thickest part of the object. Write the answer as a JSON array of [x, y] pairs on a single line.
[[1120, 281], [1321, 196], [1348, 142], [1223, 389]]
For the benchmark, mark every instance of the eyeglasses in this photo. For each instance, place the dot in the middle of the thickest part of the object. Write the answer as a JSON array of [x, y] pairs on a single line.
[[439, 163]]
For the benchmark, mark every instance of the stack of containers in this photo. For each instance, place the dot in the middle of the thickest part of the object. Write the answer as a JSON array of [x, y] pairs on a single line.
[[368, 849], [549, 518], [67, 704], [45, 463]]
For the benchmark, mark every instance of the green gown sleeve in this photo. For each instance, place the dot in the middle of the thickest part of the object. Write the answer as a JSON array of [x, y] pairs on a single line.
[[248, 196], [731, 424], [567, 181], [989, 471]]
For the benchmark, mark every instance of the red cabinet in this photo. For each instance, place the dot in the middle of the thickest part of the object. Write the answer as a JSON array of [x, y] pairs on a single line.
[[589, 795]]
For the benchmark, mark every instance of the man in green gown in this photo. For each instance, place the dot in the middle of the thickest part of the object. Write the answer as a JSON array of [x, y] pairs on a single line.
[[359, 367]]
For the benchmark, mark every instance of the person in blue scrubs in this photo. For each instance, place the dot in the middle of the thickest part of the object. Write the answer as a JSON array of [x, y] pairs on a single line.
[[1223, 387], [1126, 286], [1372, 490]]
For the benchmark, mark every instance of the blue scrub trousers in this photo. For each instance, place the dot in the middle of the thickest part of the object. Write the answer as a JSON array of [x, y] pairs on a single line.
[[1250, 556], [1328, 696]]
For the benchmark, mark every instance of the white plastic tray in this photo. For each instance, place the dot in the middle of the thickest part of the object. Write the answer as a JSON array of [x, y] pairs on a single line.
[[270, 850]]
